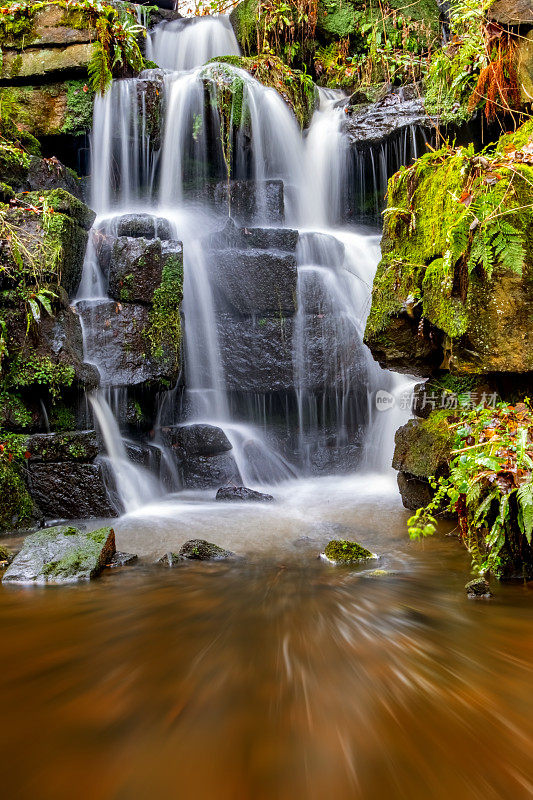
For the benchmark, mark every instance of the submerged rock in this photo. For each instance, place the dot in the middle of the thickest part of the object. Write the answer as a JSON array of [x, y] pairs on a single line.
[[342, 551], [241, 493], [62, 555], [197, 550], [478, 588]]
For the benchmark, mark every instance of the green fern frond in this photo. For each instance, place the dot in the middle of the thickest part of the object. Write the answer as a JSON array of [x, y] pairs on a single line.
[[100, 76]]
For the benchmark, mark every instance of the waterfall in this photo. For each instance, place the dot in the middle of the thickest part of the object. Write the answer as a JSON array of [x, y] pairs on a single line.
[[199, 41], [326, 419]]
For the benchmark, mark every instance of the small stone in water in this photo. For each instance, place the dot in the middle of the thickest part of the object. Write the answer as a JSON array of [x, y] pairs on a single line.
[[121, 560], [479, 587], [342, 551], [196, 550], [237, 493]]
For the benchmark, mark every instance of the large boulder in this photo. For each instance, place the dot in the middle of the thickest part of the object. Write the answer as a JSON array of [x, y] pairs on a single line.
[[455, 284], [61, 555]]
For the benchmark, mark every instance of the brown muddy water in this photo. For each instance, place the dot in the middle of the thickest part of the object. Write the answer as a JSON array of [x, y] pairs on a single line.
[[278, 677]]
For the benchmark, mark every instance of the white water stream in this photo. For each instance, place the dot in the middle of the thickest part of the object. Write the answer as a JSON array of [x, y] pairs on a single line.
[[336, 265]]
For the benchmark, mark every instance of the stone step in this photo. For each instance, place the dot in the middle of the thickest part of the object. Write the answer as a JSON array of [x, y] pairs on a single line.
[[232, 237], [256, 281]]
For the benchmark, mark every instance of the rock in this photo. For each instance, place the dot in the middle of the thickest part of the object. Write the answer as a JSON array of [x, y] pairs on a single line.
[[241, 494], [6, 557], [55, 109], [416, 492], [120, 347], [471, 326], [201, 440], [136, 268], [341, 551], [477, 588], [257, 281], [69, 490], [258, 353], [144, 226], [252, 200], [40, 62], [210, 472], [121, 560], [61, 555], [49, 174], [197, 550], [512, 13], [79, 446], [380, 121], [232, 237]]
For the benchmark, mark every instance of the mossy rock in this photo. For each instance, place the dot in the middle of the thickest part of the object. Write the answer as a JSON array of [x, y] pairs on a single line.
[[342, 551], [461, 317], [423, 446], [62, 555], [16, 505]]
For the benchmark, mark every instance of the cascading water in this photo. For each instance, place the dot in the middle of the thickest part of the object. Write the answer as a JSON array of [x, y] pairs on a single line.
[[323, 416]]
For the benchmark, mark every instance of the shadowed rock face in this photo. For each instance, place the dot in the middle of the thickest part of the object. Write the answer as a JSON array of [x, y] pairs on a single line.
[[512, 12], [62, 555]]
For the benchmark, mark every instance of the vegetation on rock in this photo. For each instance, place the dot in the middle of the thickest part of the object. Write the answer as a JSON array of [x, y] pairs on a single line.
[[342, 551], [490, 487]]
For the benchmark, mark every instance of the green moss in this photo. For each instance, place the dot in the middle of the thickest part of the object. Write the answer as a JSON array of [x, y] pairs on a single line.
[[84, 559], [34, 370], [16, 506], [423, 446], [13, 411], [79, 108], [62, 418], [342, 551], [244, 21], [164, 323]]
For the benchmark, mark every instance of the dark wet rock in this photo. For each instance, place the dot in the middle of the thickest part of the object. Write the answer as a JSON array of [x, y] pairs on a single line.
[[373, 123], [257, 281], [322, 249], [120, 346], [416, 492], [232, 237], [258, 353], [121, 560], [210, 472], [136, 267], [201, 440], [342, 551], [197, 550], [144, 454], [79, 446], [479, 587], [241, 494], [143, 226], [48, 173], [252, 199], [61, 555], [70, 490]]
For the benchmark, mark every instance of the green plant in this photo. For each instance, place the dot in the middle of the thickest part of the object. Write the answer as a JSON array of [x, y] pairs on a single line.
[[489, 486]]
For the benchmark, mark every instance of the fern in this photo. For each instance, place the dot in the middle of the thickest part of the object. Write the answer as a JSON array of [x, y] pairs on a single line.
[[524, 496], [100, 76]]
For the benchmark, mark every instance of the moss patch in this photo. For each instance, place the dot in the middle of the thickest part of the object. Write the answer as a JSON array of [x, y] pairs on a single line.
[[342, 551], [164, 329]]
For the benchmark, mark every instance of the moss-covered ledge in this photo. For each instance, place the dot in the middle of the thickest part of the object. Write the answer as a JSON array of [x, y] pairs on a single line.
[[455, 283]]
